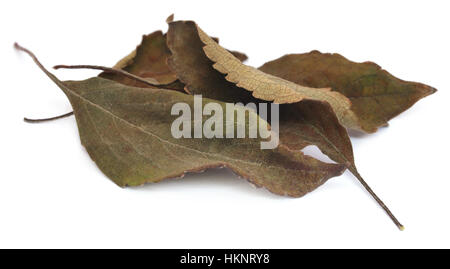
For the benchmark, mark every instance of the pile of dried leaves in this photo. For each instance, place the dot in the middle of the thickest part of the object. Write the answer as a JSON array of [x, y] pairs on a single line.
[[124, 116]]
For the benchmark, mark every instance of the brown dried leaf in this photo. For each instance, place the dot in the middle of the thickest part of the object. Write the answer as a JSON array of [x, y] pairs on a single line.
[[239, 55], [148, 60], [127, 132]]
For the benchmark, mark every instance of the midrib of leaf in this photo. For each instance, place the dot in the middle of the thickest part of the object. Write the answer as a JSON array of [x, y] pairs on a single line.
[[397, 93], [332, 145]]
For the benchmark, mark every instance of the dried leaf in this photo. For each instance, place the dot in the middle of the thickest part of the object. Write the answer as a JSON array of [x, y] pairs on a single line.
[[148, 60], [376, 95], [239, 55], [126, 131]]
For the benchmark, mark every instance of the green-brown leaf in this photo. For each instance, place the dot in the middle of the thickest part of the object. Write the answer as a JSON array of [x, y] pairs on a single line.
[[126, 131], [376, 95]]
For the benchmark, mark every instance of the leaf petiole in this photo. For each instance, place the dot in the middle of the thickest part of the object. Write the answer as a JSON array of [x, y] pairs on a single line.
[[28, 120]]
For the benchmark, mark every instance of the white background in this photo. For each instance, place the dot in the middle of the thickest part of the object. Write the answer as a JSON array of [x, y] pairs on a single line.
[[53, 195]]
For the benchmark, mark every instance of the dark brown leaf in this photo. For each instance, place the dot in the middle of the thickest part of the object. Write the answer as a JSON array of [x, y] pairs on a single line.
[[148, 60], [195, 70]]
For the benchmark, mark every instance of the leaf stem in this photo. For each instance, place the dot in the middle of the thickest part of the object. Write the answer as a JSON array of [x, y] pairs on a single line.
[[113, 70], [47, 119], [352, 169]]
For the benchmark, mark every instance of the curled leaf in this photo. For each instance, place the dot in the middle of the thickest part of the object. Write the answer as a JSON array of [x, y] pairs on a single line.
[[376, 95], [239, 55], [271, 88], [195, 70], [149, 61]]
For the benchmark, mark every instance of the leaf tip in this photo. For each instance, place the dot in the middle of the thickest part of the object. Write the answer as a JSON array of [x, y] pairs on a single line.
[[170, 18], [424, 90], [25, 119], [433, 90], [17, 46]]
